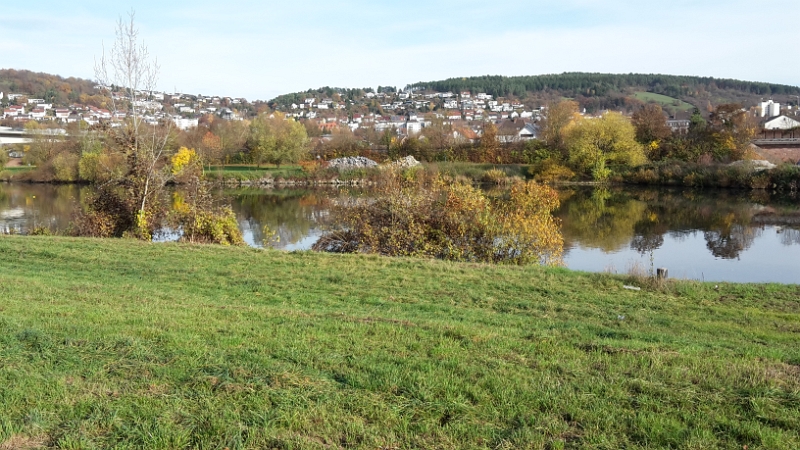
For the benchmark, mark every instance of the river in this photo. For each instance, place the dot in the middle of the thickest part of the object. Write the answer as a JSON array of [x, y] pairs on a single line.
[[711, 235]]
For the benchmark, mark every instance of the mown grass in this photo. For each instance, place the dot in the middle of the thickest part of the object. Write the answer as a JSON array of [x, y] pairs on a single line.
[[8, 173], [123, 344], [664, 101]]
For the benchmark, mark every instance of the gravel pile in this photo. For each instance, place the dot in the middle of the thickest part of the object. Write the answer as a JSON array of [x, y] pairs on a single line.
[[352, 162], [755, 165], [404, 163]]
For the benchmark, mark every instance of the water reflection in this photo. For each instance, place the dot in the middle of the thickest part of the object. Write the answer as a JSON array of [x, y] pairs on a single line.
[[281, 218], [26, 206], [611, 219]]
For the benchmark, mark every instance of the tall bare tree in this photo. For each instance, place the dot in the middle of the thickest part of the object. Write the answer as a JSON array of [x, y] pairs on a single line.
[[130, 69]]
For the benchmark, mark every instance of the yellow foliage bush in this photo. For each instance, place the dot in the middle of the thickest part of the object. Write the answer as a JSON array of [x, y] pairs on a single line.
[[182, 159], [549, 170], [494, 176], [213, 227]]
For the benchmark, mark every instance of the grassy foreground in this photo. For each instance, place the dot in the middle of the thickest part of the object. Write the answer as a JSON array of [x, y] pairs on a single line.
[[122, 344]]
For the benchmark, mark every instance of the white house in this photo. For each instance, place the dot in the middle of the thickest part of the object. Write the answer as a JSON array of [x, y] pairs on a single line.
[[38, 113], [184, 124], [781, 123], [451, 104]]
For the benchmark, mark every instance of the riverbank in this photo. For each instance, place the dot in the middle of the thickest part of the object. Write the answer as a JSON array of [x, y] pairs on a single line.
[[123, 343], [784, 178]]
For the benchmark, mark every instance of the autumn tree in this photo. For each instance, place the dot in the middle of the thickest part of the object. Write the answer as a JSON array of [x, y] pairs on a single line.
[[732, 129], [43, 147], [277, 139], [439, 134], [489, 146], [651, 124], [594, 143], [556, 117], [343, 143], [233, 136], [210, 149]]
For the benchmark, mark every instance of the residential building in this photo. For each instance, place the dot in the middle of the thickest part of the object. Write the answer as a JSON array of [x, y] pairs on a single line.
[[781, 123], [770, 109]]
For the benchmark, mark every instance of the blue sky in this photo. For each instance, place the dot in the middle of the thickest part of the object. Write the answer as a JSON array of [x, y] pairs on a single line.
[[260, 49]]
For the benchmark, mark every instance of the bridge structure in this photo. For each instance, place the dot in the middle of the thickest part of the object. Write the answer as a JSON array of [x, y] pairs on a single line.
[[10, 136], [778, 142]]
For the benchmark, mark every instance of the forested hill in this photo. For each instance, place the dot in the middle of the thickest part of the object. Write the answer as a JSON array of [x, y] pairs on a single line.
[[598, 90], [600, 84], [52, 88]]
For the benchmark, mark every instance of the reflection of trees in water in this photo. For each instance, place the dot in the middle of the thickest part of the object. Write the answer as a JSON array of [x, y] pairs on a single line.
[[648, 232], [611, 219], [647, 243], [24, 206], [601, 219], [790, 236], [291, 215], [730, 243]]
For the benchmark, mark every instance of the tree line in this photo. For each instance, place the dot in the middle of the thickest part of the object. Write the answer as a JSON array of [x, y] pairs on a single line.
[[52, 88], [572, 84]]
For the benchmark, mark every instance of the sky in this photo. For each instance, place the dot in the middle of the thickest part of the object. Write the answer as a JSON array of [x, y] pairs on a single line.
[[261, 49]]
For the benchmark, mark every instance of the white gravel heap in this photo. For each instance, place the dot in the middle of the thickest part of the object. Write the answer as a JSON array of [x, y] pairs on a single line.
[[351, 162], [755, 165], [404, 163]]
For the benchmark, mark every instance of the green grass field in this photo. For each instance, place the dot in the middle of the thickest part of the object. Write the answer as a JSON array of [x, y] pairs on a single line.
[[124, 344], [663, 100], [8, 172]]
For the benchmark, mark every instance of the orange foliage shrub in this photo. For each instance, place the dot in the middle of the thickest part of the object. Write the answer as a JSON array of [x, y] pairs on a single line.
[[424, 216]]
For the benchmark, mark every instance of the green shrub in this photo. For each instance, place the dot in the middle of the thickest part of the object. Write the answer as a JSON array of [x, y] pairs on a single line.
[[65, 167]]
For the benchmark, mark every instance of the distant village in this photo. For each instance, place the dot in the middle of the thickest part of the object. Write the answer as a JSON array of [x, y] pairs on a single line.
[[404, 112]]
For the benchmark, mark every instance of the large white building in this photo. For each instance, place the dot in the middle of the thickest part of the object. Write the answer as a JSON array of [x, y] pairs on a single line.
[[781, 123], [770, 109]]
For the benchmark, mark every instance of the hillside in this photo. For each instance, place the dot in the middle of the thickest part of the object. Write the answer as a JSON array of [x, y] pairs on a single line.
[[597, 90], [182, 346], [52, 88]]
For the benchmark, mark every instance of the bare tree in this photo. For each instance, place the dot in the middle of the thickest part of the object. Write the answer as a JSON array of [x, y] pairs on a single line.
[[129, 69]]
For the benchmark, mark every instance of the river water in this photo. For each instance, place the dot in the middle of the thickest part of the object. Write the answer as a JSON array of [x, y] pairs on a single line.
[[711, 235]]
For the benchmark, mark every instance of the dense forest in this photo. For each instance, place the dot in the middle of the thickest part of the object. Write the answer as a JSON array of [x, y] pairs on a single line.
[[599, 84], [52, 88], [595, 91]]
